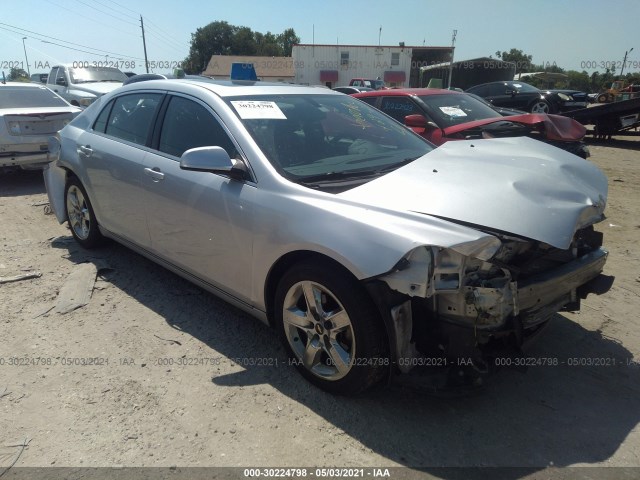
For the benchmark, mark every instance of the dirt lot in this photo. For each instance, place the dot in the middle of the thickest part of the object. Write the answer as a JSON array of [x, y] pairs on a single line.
[[175, 377]]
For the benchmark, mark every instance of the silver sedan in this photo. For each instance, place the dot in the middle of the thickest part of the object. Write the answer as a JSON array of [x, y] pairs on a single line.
[[29, 114], [369, 250]]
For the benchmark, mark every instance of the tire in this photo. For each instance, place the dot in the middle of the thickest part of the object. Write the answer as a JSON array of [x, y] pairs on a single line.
[[79, 213], [602, 98], [341, 347], [540, 106]]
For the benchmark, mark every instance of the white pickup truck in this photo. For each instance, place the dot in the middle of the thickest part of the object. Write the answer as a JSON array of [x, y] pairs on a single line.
[[81, 85]]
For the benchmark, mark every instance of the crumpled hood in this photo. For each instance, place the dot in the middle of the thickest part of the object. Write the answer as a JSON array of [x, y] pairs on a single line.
[[515, 185], [556, 127]]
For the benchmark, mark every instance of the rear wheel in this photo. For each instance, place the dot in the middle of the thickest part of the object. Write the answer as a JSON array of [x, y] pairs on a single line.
[[80, 216], [331, 329]]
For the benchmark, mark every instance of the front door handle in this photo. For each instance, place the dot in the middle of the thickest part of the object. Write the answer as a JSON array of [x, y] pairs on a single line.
[[86, 150], [154, 173]]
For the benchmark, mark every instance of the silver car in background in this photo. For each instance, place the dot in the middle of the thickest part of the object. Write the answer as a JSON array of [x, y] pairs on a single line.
[[363, 245], [29, 114]]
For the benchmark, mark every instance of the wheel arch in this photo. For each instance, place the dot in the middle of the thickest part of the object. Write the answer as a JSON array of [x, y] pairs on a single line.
[[284, 263], [377, 313]]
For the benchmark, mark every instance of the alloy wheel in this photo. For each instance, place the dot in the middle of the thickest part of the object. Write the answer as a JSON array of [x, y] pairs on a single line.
[[319, 330]]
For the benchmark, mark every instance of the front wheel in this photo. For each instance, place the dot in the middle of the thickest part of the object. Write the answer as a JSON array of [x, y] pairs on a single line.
[[331, 329], [540, 106], [80, 216]]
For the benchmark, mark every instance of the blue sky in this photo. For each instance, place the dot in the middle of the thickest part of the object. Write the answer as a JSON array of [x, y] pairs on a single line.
[[565, 32]]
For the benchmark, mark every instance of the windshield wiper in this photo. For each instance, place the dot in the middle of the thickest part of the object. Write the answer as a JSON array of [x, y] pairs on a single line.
[[333, 176], [395, 166], [354, 174]]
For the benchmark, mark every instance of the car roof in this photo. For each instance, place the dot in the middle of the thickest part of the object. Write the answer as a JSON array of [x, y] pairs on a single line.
[[498, 81], [403, 92], [231, 88]]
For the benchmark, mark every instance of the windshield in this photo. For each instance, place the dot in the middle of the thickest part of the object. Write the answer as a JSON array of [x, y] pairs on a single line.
[[29, 97], [96, 74], [312, 139], [454, 109]]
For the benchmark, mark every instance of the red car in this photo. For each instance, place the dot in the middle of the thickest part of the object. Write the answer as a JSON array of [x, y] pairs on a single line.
[[442, 115]]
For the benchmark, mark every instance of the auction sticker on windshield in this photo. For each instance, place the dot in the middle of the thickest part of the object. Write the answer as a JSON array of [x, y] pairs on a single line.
[[251, 109], [453, 111]]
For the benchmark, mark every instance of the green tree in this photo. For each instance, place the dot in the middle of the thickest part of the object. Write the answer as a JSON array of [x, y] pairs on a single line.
[[521, 59], [221, 38], [579, 81], [243, 41], [268, 45], [18, 75], [213, 39], [287, 40]]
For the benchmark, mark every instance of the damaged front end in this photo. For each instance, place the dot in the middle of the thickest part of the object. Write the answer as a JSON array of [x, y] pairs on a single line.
[[444, 303]]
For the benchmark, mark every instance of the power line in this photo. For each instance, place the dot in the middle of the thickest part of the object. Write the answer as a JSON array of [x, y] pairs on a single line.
[[122, 6], [106, 13], [162, 31], [61, 40], [182, 49], [151, 27], [133, 18], [92, 19]]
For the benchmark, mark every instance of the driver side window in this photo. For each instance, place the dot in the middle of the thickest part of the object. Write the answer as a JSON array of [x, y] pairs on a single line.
[[187, 125], [398, 107]]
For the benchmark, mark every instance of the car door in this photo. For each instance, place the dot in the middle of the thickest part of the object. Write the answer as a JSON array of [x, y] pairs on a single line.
[[399, 107], [58, 73], [199, 221], [500, 94], [112, 153]]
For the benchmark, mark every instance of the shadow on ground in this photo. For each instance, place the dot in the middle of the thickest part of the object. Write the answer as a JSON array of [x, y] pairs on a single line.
[[628, 141], [577, 412], [16, 183]]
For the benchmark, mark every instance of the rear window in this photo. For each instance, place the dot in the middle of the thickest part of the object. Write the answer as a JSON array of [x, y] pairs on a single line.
[[29, 97]]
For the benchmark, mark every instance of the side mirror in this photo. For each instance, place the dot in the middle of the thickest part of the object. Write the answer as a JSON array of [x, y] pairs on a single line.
[[417, 121], [61, 81], [213, 160]]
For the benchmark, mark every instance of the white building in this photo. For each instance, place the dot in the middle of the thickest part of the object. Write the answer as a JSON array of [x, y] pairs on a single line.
[[336, 65]]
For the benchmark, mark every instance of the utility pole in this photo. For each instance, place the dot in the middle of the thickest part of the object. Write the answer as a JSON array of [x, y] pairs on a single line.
[[144, 44], [623, 62], [29, 71], [453, 42], [379, 35]]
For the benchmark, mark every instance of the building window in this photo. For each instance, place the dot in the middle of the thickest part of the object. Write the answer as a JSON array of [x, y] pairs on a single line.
[[395, 59], [344, 58]]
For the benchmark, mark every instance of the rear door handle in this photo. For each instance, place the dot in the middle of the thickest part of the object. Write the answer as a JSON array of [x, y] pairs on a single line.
[[154, 173], [86, 150]]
